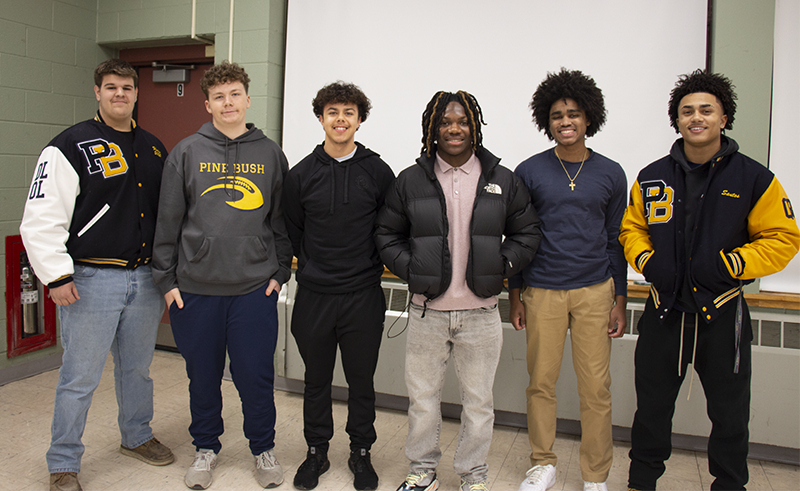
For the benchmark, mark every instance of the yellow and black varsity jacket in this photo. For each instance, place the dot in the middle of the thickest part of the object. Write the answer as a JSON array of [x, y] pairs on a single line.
[[744, 229], [93, 200]]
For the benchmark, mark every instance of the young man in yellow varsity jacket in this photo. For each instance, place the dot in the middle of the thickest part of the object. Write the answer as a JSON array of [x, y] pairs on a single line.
[[702, 222]]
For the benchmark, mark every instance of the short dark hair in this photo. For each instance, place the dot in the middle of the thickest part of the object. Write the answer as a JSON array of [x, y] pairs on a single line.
[[699, 80], [342, 93], [115, 66], [434, 112], [224, 73], [572, 84]]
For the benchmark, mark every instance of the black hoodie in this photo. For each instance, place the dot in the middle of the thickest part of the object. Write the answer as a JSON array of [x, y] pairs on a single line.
[[330, 209]]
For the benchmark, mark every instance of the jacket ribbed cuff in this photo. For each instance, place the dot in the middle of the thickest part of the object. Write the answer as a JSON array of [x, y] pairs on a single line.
[[735, 263], [642, 258], [60, 282]]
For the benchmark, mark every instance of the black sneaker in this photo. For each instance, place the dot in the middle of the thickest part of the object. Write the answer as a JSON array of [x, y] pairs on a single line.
[[366, 479], [308, 473]]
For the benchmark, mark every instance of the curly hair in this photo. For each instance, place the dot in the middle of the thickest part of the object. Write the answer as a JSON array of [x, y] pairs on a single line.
[[699, 80], [342, 93], [116, 67], [572, 84], [224, 73], [434, 112]]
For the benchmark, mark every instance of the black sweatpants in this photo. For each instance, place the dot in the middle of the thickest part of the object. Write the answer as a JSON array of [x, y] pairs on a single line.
[[353, 322], [658, 383]]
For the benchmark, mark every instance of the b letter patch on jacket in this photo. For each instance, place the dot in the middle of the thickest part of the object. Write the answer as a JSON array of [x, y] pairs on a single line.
[[657, 198]]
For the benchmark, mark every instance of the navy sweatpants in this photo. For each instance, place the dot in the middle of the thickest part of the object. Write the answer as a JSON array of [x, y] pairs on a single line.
[[353, 322], [246, 327], [657, 385]]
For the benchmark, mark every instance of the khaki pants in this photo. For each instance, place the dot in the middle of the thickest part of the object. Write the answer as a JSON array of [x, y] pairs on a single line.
[[585, 311]]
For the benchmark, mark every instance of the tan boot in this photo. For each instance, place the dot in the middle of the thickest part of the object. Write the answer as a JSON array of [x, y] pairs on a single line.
[[64, 481], [152, 451]]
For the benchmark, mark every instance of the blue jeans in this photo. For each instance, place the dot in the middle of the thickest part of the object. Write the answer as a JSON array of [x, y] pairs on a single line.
[[474, 339], [119, 310], [246, 328]]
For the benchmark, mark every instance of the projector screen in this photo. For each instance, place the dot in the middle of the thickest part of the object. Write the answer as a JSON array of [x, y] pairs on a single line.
[[401, 53], [785, 107]]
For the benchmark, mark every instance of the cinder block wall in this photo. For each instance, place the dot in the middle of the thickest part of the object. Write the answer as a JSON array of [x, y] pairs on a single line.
[[48, 51], [258, 41], [47, 57]]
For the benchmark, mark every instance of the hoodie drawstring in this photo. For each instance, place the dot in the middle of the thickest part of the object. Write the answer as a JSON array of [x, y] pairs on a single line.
[[333, 188], [346, 184], [738, 328], [694, 352], [694, 349], [680, 348], [347, 181]]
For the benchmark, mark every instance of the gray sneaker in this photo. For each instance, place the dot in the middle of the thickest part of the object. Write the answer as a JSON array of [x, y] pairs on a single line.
[[199, 474], [269, 472]]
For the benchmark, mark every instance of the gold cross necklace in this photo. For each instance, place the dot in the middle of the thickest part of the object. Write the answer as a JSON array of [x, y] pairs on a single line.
[[571, 179]]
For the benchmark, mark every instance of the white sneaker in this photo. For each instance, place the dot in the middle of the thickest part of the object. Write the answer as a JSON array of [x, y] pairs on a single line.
[[594, 486], [269, 472], [199, 474], [539, 478]]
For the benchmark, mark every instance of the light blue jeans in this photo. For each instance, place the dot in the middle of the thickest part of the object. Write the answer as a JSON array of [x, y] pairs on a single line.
[[118, 310], [474, 338]]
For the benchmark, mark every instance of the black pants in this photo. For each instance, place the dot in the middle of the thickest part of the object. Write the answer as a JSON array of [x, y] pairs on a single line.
[[658, 383], [354, 323]]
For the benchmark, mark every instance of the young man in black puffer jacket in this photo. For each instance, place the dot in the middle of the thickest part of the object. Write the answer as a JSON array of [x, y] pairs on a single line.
[[454, 226]]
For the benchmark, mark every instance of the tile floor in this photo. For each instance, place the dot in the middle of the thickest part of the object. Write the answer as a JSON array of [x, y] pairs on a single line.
[[26, 410]]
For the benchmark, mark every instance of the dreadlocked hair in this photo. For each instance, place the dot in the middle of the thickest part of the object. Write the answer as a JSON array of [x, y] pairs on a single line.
[[572, 84], [434, 112], [699, 80]]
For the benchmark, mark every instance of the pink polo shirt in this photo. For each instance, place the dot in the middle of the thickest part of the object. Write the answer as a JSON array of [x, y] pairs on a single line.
[[459, 185]]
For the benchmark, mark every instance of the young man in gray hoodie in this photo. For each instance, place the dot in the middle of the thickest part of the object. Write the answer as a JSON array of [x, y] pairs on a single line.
[[221, 253]]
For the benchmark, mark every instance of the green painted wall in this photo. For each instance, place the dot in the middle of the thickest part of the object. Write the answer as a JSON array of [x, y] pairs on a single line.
[[258, 41], [48, 51], [742, 39], [741, 46], [47, 57]]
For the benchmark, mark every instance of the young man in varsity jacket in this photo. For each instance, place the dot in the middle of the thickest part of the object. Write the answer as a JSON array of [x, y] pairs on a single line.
[[221, 254], [331, 199], [88, 230], [701, 222]]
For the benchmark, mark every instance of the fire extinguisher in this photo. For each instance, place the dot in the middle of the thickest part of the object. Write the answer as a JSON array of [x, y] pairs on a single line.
[[29, 297]]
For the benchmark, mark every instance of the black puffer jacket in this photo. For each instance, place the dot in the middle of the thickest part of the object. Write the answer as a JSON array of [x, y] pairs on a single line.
[[412, 229]]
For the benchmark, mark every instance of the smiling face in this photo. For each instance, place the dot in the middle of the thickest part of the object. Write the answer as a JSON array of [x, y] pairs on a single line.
[[227, 103], [116, 99], [700, 121], [454, 142], [340, 122], [568, 123]]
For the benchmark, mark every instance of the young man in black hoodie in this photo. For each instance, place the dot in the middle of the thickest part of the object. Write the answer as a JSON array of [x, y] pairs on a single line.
[[331, 199], [701, 222], [221, 253]]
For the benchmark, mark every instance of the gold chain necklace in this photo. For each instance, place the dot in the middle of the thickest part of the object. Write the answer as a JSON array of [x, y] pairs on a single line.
[[571, 179]]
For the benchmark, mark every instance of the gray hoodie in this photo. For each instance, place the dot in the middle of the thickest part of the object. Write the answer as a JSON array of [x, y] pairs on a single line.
[[220, 228]]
